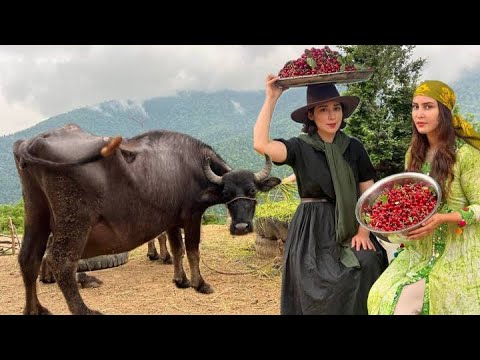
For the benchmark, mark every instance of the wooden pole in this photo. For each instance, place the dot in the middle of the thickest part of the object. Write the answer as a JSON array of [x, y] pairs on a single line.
[[12, 234]]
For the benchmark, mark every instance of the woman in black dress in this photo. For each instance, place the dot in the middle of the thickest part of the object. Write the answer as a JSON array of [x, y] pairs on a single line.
[[330, 262]]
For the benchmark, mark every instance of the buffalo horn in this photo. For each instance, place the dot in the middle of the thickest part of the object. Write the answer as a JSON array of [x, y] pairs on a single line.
[[214, 178], [262, 175]]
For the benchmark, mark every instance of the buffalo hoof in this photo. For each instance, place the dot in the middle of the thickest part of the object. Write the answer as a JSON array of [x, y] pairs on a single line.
[[40, 311], [87, 281], [47, 279], [46, 275], [153, 257], [93, 312], [183, 283], [204, 288], [90, 312], [167, 260]]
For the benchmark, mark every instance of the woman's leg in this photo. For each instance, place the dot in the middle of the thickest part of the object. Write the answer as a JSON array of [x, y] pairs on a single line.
[[411, 299]]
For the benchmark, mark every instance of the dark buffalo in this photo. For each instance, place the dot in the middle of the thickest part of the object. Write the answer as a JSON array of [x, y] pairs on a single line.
[[98, 197]]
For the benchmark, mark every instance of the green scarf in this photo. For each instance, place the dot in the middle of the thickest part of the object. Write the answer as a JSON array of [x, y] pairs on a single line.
[[345, 192]]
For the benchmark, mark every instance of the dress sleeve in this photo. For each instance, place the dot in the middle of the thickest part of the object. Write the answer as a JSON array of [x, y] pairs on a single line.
[[292, 151], [366, 171], [469, 158]]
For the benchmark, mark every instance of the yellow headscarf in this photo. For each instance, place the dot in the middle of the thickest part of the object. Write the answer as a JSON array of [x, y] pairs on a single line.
[[444, 94]]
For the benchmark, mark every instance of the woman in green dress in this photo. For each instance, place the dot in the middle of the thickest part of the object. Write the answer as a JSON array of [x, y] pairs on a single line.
[[438, 270]]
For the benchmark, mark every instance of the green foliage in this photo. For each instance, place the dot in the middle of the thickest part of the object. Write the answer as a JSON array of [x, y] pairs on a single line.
[[16, 212], [281, 192], [383, 120], [214, 217], [279, 203], [280, 210]]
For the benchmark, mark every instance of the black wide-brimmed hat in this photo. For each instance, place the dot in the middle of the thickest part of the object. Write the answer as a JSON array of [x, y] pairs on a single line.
[[318, 94]]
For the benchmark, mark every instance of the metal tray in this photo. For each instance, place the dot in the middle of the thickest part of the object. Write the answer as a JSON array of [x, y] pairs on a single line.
[[344, 77]]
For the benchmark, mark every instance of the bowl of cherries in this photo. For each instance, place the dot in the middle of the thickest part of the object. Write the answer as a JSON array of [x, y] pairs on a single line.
[[398, 204]]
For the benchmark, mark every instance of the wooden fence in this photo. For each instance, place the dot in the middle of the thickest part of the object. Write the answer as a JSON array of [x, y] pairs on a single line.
[[11, 246]]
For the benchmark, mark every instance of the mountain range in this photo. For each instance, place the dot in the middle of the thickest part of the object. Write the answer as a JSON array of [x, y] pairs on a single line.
[[223, 119]]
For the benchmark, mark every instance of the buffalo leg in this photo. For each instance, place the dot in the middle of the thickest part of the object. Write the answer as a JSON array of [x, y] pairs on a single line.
[[164, 254], [73, 221], [85, 280], [33, 246], [46, 274], [63, 260], [192, 242], [30, 258], [88, 281], [176, 245], [152, 251]]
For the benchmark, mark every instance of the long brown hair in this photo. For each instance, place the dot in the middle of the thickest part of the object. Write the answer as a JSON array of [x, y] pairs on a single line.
[[442, 164]]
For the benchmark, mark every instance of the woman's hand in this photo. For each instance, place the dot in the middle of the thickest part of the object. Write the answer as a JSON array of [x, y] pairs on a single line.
[[427, 227], [272, 89], [362, 241]]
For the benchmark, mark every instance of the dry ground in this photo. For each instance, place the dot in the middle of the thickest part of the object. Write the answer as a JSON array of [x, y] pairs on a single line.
[[243, 283]]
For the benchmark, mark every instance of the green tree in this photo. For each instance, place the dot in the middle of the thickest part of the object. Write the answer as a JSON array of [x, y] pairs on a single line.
[[383, 119], [16, 213]]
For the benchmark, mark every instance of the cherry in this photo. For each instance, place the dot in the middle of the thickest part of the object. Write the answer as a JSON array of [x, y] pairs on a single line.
[[400, 207], [315, 61]]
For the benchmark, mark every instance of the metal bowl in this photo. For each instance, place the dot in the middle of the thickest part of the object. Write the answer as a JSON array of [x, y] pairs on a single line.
[[372, 193]]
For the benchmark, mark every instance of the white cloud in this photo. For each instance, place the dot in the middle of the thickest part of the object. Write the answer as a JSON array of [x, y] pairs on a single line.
[[16, 117], [238, 107], [447, 62], [128, 105], [37, 82]]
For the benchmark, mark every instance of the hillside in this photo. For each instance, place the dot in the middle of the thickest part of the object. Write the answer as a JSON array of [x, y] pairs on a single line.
[[222, 119], [468, 93]]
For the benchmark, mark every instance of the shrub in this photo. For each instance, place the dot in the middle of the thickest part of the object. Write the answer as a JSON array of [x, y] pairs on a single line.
[[16, 212], [280, 210]]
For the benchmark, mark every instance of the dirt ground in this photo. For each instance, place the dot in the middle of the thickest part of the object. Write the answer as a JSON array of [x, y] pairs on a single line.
[[243, 283]]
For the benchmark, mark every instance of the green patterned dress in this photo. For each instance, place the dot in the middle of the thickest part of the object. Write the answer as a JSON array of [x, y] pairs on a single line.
[[449, 263]]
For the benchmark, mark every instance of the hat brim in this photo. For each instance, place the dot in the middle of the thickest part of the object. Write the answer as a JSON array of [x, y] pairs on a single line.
[[349, 103]]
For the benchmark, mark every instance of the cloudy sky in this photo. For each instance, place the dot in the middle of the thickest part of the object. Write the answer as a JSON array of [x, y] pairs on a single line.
[[37, 82]]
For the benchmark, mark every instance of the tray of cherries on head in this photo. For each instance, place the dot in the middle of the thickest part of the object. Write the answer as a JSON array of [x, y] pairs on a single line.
[[317, 66]]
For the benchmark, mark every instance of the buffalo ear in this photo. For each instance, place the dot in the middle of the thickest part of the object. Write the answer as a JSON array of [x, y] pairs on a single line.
[[129, 156], [210, 195], [268, 183]]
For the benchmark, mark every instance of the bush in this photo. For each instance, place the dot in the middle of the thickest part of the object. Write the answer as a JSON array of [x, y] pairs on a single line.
[[213, 218], [279, 205], [280, 210], [281, 192], [16, 212], [216, 214]]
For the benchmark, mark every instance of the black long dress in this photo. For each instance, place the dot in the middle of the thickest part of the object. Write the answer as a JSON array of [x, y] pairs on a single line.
[[314, 281]]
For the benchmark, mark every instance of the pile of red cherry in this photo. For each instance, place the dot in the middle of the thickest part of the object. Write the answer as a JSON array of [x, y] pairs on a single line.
[[316, 61], [400, 207]]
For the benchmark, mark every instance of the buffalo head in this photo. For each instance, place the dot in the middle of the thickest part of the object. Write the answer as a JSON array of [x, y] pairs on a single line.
[[237, 189]]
